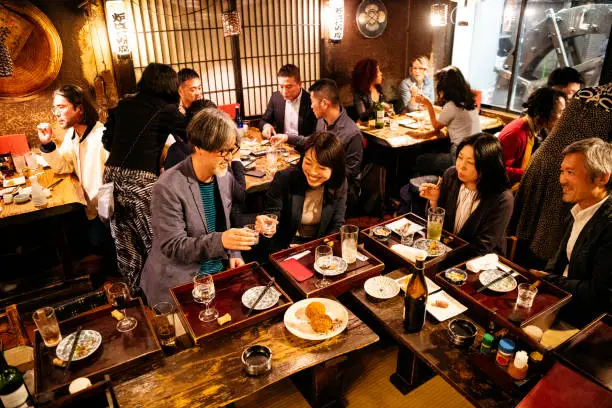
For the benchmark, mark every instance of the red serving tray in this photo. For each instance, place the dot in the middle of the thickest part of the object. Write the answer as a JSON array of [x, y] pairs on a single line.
[[356, 273], [229, 287]]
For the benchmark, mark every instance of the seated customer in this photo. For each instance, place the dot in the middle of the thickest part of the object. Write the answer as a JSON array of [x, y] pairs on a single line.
[[367, 88], [475, 195], [310, 199], [583, 263], [419, 81], [459, 116], [519, 138], [288, 110], [333, 118], [567, 80], [190, 211]]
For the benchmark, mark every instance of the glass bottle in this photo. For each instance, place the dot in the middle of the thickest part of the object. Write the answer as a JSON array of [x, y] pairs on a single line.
[[379, 123], [415, 301], [238, 118], [13, 392]]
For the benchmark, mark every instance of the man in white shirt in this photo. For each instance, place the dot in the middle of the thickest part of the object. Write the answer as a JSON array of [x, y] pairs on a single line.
[[81, 151], [583, 263]]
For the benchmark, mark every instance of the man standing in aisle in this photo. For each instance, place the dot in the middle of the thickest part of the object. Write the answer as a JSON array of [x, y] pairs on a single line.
[[288, 110]]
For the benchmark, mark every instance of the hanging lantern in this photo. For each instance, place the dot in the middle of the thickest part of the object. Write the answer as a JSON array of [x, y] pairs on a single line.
[[336, 20], [117, 22], [438, 14], [231, 23], [6, 62]]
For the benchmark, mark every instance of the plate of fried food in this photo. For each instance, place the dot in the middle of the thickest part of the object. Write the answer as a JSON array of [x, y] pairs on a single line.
[[432, 247], [316, 319]]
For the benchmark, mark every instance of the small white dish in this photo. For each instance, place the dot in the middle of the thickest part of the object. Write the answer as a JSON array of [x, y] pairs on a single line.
[[17, 181], [21, 198], [440, 313], [337, 267], [381, 287], [270, 298], [399, 225]]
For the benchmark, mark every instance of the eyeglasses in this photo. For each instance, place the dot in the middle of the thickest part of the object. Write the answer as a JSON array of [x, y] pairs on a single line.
[[229, 152]]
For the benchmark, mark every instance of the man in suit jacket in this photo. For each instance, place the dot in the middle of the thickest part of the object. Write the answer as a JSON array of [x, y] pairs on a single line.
[[583, 263], [288, 110], [190, 211]]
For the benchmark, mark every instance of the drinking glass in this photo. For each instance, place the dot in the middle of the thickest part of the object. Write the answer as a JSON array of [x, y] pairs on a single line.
[[164, 323], [204, 292], [271, 158], [269, 225], [19, 162], [251, 227], [526, 294], [435, 220], [119, 295], [407, 236], [323, 259], [46, 321], [31, 162], [348, 237]]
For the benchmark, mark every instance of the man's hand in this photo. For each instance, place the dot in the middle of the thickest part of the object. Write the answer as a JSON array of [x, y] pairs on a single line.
[[268, 131], [235, 263], [45, 132], [238, 239], [261, 221], [278, 139]]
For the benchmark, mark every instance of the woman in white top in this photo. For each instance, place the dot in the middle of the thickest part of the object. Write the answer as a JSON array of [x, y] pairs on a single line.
[[459, 116], [475, 195]]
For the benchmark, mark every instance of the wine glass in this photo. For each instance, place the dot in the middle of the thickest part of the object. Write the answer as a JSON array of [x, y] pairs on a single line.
[[119, 295], [204, 292], [323, 260]]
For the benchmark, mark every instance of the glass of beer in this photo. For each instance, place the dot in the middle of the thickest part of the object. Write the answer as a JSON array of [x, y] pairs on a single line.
[[435, 220], [164, 323], [47, 325]]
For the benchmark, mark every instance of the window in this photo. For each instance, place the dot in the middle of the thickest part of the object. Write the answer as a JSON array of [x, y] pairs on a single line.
[[189, 33], [544, 35]]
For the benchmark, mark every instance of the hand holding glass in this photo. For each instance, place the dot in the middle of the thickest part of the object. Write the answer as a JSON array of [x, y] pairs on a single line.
[[266, 224], [204, 292]]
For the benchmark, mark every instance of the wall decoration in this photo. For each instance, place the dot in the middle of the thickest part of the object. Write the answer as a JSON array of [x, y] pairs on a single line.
[[371, 18]]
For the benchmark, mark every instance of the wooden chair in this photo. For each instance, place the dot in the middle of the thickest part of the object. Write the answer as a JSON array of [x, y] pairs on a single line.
[[230, 109]]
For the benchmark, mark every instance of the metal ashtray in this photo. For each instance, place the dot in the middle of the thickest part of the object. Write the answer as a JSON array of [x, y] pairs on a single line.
[[461, 332], [257, 360]]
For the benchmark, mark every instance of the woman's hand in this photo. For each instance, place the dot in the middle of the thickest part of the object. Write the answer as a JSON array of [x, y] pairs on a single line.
[[420, 98], [262, 220], [238, 239], [235, 263], [431, 192]]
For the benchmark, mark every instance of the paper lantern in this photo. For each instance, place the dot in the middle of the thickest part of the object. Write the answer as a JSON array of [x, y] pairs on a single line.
[[438, 14], [231, 23]]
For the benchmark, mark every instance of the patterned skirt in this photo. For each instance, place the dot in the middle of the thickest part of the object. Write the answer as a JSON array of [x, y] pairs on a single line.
[[131, 222]]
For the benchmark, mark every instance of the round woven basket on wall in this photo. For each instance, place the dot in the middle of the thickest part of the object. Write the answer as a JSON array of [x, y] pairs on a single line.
[[39, 60]]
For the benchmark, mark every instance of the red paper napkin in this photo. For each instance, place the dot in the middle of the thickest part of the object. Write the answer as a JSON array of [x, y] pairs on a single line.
[[296, 269]]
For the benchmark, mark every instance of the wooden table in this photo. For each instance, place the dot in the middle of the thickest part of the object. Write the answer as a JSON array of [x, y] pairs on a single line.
[[431, 348], [212, 375], [65, 197]]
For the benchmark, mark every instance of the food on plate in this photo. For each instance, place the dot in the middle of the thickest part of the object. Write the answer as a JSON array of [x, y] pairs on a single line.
[[381, 232], [117, 315], [321, 323], [84, 346], [440, 303], [434, 246], [58, 362], [315, 309], [455, 276], [226, 318]]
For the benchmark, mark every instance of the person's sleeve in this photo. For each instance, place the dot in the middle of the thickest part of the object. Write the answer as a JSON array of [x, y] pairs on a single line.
[[61, 160], [298, 141], [404, 91], [510, 151], [109, 131], [445, 186], [274, 195], [339, 210], [353, 155], [362, 111], [447, 114], [168, 222], [174, 156], [172, 122], [238, 183], [494, 227], [268, 116]]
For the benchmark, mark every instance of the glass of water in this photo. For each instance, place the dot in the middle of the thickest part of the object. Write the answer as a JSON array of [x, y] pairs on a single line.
[[323, 259], [407, 235], [204, 292], [348, 236], [269, 225], [526, 293], [271, 158]]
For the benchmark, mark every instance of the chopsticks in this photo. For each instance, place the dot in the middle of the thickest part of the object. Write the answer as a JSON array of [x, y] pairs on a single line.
[[263, 292], [73, 348], [494, 281], [55, 183]]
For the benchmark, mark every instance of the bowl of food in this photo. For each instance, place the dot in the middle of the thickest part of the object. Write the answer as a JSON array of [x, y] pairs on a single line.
[[455, 276], [257, 360], [381, 233]]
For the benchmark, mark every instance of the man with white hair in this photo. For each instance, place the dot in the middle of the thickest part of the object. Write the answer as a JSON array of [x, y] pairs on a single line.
[[583, 263]]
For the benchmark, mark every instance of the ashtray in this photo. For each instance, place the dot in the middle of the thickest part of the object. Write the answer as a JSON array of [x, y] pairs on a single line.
[[455, 276], [257, 360], [461, 332], [381, 233]]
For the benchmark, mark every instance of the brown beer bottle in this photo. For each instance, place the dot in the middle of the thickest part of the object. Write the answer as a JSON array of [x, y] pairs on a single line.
[[415, 300]]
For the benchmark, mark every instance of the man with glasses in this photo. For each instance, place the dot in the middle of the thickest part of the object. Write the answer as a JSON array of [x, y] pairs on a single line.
[[419, 81], [190, 211], [288, 110]]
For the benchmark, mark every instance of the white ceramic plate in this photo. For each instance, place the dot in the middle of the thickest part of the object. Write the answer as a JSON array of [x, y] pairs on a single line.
[[89, 341], [505, 285], [381, 287], [17, 181], [399, 225], [431, 285], [441, 314], [270, 298], [338, 267], [298, 324], [432, 247]]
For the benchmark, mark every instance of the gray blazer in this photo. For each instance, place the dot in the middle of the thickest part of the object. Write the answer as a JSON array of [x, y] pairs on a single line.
[[181, 241]]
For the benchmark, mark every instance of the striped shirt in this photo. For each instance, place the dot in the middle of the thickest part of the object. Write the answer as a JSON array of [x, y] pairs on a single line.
[[207, 192]]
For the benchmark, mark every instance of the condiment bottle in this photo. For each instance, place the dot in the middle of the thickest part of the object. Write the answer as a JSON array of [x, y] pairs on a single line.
[[487, 342], [505, 351], [518, 368], [415, 301]]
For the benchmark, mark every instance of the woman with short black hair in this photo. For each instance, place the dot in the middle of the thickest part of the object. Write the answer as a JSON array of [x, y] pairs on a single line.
[[309, 199], [475, 195]]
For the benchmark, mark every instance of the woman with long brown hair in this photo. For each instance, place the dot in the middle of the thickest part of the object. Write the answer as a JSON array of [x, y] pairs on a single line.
[[367, 88]]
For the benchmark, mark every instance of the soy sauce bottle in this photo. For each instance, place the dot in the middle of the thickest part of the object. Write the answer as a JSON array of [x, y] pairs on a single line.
[[415, 300]]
